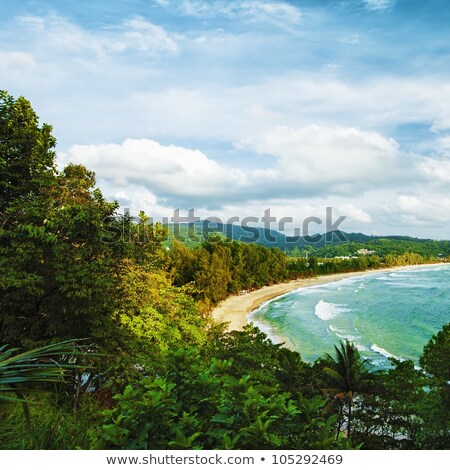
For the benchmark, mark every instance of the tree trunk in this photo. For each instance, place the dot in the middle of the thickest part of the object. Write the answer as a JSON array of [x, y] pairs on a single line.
[[339, 424], [349, 425]]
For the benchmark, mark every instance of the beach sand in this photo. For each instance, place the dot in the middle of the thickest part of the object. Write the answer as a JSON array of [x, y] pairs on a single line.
[[236, 308]]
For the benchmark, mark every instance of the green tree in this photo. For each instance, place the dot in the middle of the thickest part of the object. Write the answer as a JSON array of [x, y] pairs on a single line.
[[63, 247], [436, 355], [348, 374], [388, 416], [435, 409], [26, 155]]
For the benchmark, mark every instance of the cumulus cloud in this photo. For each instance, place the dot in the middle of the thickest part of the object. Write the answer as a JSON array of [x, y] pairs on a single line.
[[436, 171], [419, 209], [167, 171], [308, 162], [338, 160], [232, 113], [245, 92], [314, 167]]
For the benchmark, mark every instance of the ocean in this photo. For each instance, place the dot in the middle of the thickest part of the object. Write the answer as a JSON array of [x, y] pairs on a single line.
[[385, 314]]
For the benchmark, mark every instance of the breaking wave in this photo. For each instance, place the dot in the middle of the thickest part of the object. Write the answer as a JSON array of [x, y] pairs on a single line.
[[327, 311]]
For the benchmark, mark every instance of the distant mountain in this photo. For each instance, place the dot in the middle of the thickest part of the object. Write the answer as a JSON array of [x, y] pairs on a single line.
[[330, 244]]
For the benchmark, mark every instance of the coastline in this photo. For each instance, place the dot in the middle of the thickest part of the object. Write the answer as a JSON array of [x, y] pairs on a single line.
[[235, 309]]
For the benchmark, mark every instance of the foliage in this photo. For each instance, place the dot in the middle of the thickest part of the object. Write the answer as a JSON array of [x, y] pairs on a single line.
[[220, 267], [436, 355], [197, 404], [348, 374], [272, 365], [45, 364], [398, 408], [26, 154], [436, 407], [386, 414], [54, 425]]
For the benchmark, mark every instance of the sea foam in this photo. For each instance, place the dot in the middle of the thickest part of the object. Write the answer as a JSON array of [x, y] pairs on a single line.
[[383, 352], [327, 311]]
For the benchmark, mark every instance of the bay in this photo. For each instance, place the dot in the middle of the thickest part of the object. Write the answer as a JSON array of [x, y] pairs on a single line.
[[385, 314]]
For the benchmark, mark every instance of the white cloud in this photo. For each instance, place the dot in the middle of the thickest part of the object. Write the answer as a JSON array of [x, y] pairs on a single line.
[[167, 171], [437, 171], [219, 88], [260, 112], [355, 214], [419, 209], [255, 10], [309, 162], [378, 5], [143, 174], [16, 61], [135, 34], [442, 145], [143, 36], [441, 124], [294, 100], [17, 67], [57, 33], [338, 160]]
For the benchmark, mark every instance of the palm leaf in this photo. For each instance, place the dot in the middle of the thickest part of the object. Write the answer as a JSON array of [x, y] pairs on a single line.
[[44, 364]]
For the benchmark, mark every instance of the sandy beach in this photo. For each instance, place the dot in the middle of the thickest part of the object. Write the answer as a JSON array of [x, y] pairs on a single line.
[[236, 308]]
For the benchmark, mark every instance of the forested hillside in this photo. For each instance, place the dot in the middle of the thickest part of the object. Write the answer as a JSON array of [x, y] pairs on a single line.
[[106, 338], [326, 245]]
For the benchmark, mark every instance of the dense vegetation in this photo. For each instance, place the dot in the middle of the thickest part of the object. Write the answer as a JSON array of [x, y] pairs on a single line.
[[428, 249], [150, 369]]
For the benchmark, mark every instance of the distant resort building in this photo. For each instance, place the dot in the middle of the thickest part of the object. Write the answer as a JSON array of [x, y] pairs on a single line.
[[365, 252]]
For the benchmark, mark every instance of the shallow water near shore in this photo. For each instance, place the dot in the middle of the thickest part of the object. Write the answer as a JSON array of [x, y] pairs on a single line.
[[386, 314]]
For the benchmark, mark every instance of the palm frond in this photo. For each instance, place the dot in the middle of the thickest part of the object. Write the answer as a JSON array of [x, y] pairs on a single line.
[[44, 364]]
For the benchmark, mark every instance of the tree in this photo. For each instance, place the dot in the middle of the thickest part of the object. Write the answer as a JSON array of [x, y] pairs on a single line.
[[57, 272], [27, 176], [387, 417], [62, 245], [27, 164], [348, 375], [436, 355], [436, 408]]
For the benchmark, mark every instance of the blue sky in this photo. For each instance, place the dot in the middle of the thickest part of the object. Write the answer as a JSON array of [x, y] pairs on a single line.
[[233, 107]]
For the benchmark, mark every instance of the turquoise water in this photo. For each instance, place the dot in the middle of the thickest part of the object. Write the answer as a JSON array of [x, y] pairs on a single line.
[[386, 314]]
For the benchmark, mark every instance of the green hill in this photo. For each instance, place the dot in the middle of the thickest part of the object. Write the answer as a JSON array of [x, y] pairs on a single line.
[[328, 245]]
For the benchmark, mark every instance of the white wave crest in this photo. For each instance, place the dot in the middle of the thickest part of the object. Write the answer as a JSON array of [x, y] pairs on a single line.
[[335, 329], [383, 352], [351, 338], [327, 311]]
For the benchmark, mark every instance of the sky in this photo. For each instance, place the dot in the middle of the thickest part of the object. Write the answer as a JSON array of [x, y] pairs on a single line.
[[235, 107]]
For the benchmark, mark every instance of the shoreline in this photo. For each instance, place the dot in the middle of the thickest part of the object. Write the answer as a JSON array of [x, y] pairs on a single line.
[[235, 309]]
